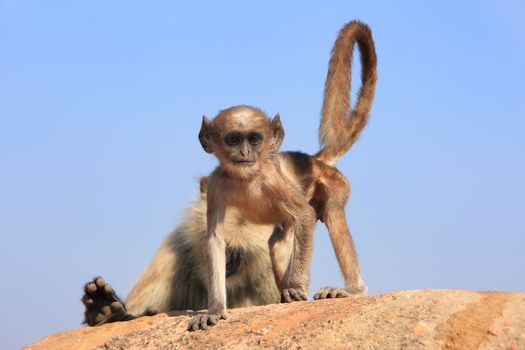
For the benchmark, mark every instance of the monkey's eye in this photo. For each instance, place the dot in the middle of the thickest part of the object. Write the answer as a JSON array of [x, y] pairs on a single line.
[[254, 138], [232, 139]]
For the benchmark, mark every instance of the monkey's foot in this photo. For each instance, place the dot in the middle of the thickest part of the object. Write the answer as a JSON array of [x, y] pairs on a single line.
[[289, 295], [332, 292], [205, 320], [104, 306]]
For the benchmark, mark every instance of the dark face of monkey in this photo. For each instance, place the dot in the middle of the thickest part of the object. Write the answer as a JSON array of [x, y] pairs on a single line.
[[243, 148], [241, 137]]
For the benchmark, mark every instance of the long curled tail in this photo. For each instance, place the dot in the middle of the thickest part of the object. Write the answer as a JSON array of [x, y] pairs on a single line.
[[340, 125]]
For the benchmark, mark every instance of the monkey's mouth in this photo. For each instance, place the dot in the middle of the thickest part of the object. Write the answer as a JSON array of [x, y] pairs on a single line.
[[244, 162]]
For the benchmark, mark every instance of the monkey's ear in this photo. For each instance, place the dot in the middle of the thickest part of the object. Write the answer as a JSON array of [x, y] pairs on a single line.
[[278, 132], [204, 135]]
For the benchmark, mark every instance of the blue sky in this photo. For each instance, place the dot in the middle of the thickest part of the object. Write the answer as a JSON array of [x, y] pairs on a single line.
[[101, 103]]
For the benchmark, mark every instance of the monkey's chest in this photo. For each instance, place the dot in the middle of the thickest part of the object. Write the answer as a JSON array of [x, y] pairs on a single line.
[[258, 209]]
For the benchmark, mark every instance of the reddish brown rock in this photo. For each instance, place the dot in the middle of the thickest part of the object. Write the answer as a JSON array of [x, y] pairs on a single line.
[[430, 319]]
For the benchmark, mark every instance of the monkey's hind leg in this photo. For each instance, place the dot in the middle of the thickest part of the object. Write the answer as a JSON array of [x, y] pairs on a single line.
[[104, 306], [343, 244]]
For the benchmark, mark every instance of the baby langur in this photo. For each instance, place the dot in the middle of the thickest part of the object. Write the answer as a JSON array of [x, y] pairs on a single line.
[[270, 187], [249, 178]]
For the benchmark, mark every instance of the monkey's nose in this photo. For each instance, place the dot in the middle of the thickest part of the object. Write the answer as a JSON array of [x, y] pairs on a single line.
[[244, 151]]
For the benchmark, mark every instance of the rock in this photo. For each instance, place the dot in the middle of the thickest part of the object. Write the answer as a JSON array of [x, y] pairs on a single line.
[[430, 319]]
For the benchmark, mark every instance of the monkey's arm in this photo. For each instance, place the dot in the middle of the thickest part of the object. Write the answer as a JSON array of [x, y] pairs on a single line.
[[215, 254], [282, 248], [216, 261], [291, 246]]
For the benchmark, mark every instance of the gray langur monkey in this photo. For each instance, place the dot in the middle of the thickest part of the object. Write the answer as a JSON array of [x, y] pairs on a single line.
[[177, 276]]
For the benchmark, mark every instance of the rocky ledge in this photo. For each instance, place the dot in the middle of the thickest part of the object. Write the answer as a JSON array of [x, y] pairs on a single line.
[[429, 319]]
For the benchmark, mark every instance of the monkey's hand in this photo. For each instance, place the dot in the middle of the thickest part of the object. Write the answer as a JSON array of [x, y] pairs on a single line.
[[205, 320], [332, 292], [289, 295], [104, 306]]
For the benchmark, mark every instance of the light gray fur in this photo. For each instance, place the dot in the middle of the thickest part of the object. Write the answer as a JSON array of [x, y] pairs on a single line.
[[176, 278]]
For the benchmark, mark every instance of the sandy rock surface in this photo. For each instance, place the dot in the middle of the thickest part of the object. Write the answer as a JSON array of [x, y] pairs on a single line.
[[428, 319]]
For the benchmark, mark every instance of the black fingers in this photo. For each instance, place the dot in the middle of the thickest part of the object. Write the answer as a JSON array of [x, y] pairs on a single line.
[[150, 312], [198, 322], [204, 320], [102, 305], [87, 300], [116, 306], [285, 296], [90, 287], [99, 282], [290, 295]]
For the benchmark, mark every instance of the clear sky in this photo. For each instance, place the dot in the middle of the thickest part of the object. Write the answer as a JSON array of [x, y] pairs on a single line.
[[101, 103]]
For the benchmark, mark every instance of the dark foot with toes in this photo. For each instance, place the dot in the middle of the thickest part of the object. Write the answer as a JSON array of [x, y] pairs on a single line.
[[103, 305], [205, 320], [331, 292], [290, 295]]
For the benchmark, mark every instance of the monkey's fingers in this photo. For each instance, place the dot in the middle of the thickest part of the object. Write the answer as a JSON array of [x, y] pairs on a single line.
[[330, 293], [297, 295], [211, 320], [203, 323], [87, 301], [342, 293], [285, 296], [102, 304], [108, 290], [105, 310], [318, 296], [99, 320], [116, 306], [104, 289], [303, 296], [193, 325], [322, 293], [290, 295], [149, 312], [95, 285], [90, 287], [196, 323], [99, 281]]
